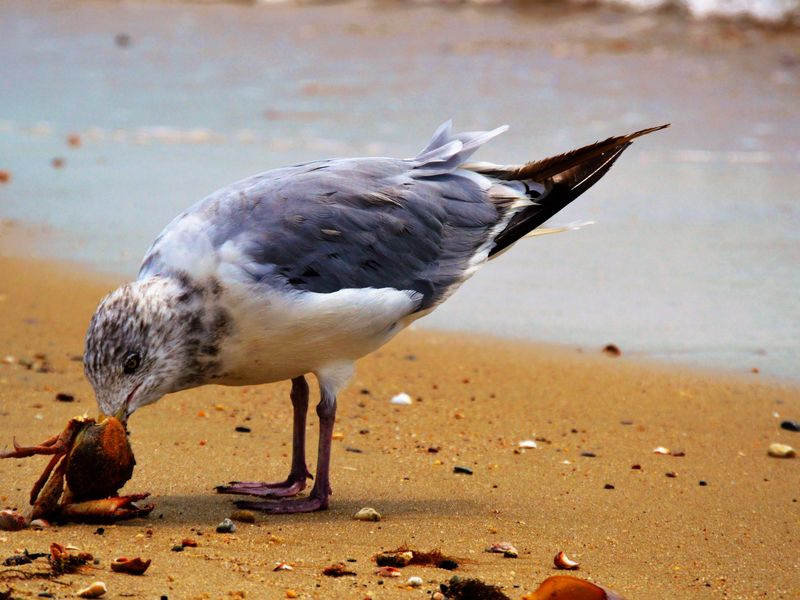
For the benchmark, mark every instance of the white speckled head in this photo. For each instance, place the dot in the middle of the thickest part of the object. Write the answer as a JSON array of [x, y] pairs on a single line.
[[149, 338]]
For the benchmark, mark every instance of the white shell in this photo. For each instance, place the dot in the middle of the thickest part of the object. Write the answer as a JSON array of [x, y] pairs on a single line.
[[97, 589], [402, 398]]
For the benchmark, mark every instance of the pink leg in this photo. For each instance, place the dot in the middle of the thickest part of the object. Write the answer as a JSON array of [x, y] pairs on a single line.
[[318, 499], [296, 481]]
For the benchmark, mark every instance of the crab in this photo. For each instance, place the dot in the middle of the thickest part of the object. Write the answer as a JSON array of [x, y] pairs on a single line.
[[91, 461]]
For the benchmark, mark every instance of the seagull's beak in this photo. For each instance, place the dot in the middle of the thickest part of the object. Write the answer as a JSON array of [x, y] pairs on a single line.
[[122, 414]]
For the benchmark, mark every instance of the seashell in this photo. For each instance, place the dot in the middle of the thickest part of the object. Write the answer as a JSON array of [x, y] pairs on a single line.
[[131, 566], [781, 451], [388, 572], [507, 549], [97, 589], [414, 581], [661, 450], [367, 514], [562, 561], [402, 399], [282, 566], [528, 444]]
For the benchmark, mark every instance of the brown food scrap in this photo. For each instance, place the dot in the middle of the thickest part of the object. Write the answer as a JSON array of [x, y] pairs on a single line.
[[434, 558], [131, 566], [564, 587], [11, 520], [337, 570]]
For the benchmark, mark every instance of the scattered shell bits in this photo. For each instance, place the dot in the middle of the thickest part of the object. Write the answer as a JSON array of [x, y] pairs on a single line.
[[562, 561], [97, 589], [367, 514], [282, 566], [781, 451], [401, 399]]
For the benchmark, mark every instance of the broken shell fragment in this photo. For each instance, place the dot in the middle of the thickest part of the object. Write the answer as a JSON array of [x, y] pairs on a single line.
[[414, 581], [367, 514], [564, 587], [97, 589], [781, 451], [39, 524], [507, 549], [131, 566], [529, 444], [562, 561], [388, 572], [282, 566], [661, 450], [226, 526]]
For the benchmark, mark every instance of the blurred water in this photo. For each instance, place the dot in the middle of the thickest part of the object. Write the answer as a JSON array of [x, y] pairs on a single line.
[[696, 252]]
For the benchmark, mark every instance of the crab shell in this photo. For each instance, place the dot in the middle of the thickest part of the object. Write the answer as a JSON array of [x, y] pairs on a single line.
[[100, 461]]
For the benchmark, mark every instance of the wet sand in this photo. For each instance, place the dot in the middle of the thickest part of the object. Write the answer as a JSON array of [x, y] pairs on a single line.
[[651, 536]]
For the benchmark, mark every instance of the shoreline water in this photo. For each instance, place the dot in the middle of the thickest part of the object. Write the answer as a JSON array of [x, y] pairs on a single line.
[[695, 246]]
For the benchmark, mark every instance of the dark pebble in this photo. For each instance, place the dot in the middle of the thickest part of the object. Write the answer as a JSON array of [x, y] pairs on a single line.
[[46, 595], [122, 40], [626, 422], [462, 470], [243, 429], [354, 450], [164, 597], [636, 467], [791, 426], [433, 449], [100, 530], [64, 397], [608, 486], [363, 431], [612, 350], [177, 548], [588, 454], [672, 474], [364, 392], [703, 482]]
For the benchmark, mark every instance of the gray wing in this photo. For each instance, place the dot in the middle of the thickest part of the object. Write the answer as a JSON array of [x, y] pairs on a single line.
[[414, 224]]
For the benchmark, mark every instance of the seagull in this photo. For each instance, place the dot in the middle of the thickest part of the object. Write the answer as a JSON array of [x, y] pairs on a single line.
[[305, 269]]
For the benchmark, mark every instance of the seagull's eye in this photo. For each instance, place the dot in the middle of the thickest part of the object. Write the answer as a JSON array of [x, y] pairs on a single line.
[[132, 362]]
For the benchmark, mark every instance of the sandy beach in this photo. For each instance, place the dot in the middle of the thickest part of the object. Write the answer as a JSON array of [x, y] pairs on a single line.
[[650, 537]]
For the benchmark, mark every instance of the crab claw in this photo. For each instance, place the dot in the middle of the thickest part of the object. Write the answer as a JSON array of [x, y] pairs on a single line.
[[107, 510]]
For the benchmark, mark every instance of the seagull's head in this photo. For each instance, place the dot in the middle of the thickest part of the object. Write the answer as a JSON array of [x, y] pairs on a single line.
[[146, 339]]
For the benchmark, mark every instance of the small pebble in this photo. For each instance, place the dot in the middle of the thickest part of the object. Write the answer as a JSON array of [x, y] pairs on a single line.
[[177, 548], [612, 350], [64, 397], [5, 176], [97, 589], [189, 543], [243, 516], [227, 526], [781, 451], [791, 426], [703, 483], [671, 474], [608, 486], [367, 514], [462, 470], [243, 429], [414, 581], [589, 454], [402, 399]]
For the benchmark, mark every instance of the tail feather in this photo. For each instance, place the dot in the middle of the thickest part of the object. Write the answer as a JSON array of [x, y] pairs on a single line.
[[564, 178]]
